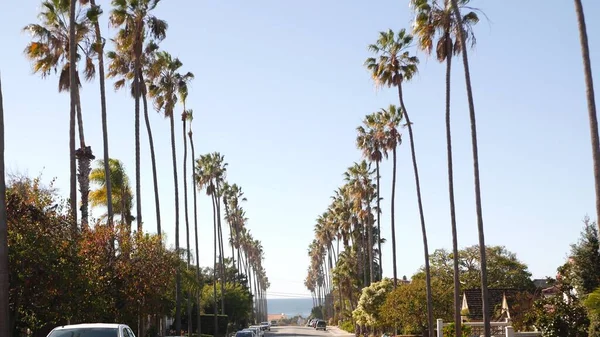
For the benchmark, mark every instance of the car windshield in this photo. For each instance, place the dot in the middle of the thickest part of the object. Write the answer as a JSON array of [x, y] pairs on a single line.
[[85, 332]]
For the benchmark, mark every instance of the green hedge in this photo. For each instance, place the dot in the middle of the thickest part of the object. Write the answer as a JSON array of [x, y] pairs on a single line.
[[207, 323]]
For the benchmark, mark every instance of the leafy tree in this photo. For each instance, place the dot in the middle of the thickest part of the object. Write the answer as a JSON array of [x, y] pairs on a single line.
[[560, 316], [407, 305], [368, 311], [44, 285], [504, 268], [585, 256], [238, 302]]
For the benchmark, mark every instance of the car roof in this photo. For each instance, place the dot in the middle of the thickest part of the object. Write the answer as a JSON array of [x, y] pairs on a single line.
[[90, 325]]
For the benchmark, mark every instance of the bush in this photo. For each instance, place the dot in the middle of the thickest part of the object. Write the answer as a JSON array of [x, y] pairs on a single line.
[[449, 330], [347, 326]]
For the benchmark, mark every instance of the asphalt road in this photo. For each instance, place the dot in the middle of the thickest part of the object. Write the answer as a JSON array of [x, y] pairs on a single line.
[[300, 331]]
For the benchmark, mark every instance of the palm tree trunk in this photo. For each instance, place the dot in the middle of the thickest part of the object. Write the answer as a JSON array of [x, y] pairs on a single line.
[[370, 245], [84, 158], [591, 102], [393, 216], [215, 301], [224, 276], [421, 215], [482, 253], [73, 97], [231, 236], [195, 226], [137, 91], [379, 221], [4, 268], [100, 45], [457, 297], [176, 186], [152, 157], [187, 218]]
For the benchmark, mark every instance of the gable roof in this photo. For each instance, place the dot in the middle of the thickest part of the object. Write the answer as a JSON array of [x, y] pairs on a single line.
[[496, 303]]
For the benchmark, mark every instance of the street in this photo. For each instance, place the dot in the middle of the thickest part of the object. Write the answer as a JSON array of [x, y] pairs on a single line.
[[289, 331]]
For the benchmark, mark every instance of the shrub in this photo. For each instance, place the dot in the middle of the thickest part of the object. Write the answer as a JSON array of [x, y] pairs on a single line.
[[449, 330], [347, 326]]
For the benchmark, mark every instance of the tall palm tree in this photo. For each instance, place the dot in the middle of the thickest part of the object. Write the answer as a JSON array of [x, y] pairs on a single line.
[[462, 38], [167, 85], [184, 118], [121, 66], [392, 66], [99, 48], [60, 23], [210, 172], [362, 193], [194, 184], [135, 20], [122, 201], [369, 141], [591, 101], [435, 20], [4, 286], [74, 90]]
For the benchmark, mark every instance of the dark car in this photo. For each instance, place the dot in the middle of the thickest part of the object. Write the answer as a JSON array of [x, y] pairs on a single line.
[[244, 334], [321, 325]]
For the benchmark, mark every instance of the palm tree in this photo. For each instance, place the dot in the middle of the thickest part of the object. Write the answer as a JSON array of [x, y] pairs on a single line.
[[369, 141], [361, 192], [434, 20], [392, 67], [4, 286], [74, 91], [210, 171], [194, 184], [122, 201], [122, 67], [99, 48], [184, 119], [167, 85], [50, 50], [462, 38], [134, 19], [591, 101]]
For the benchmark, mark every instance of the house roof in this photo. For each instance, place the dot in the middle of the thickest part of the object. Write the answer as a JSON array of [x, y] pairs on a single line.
[[541, 283], [496, 297], [275, 317]]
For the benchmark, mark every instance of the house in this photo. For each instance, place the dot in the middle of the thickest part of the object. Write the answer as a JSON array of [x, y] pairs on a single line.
[[276, 317]]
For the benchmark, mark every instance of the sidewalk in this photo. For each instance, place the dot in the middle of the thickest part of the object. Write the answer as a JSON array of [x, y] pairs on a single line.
[[334, 330]]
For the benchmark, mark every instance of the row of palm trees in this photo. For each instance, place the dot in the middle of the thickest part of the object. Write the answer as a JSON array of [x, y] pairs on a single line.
[[447, 25], [68, 37]]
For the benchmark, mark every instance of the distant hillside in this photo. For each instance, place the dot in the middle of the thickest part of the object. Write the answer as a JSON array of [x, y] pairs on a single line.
[[290, 306]]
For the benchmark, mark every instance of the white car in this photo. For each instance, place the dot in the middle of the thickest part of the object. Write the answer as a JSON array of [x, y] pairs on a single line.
[[266, 326], [258, 329], [92, 330]]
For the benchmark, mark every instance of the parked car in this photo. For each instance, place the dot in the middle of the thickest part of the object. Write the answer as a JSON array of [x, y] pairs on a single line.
[[244, 333], [92, 330], [273, 323], [266, 326], [321, 325], [257, 330]]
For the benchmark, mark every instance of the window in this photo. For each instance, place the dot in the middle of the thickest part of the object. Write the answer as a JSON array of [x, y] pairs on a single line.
[[85, 332]]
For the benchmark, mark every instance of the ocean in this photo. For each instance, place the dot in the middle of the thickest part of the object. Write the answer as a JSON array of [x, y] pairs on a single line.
[[290, 306]]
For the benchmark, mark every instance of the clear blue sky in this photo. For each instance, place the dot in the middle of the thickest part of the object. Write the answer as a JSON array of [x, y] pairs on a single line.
[[280, 89]]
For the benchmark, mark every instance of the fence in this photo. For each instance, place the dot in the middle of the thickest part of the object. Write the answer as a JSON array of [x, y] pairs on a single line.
[[499, 329]]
